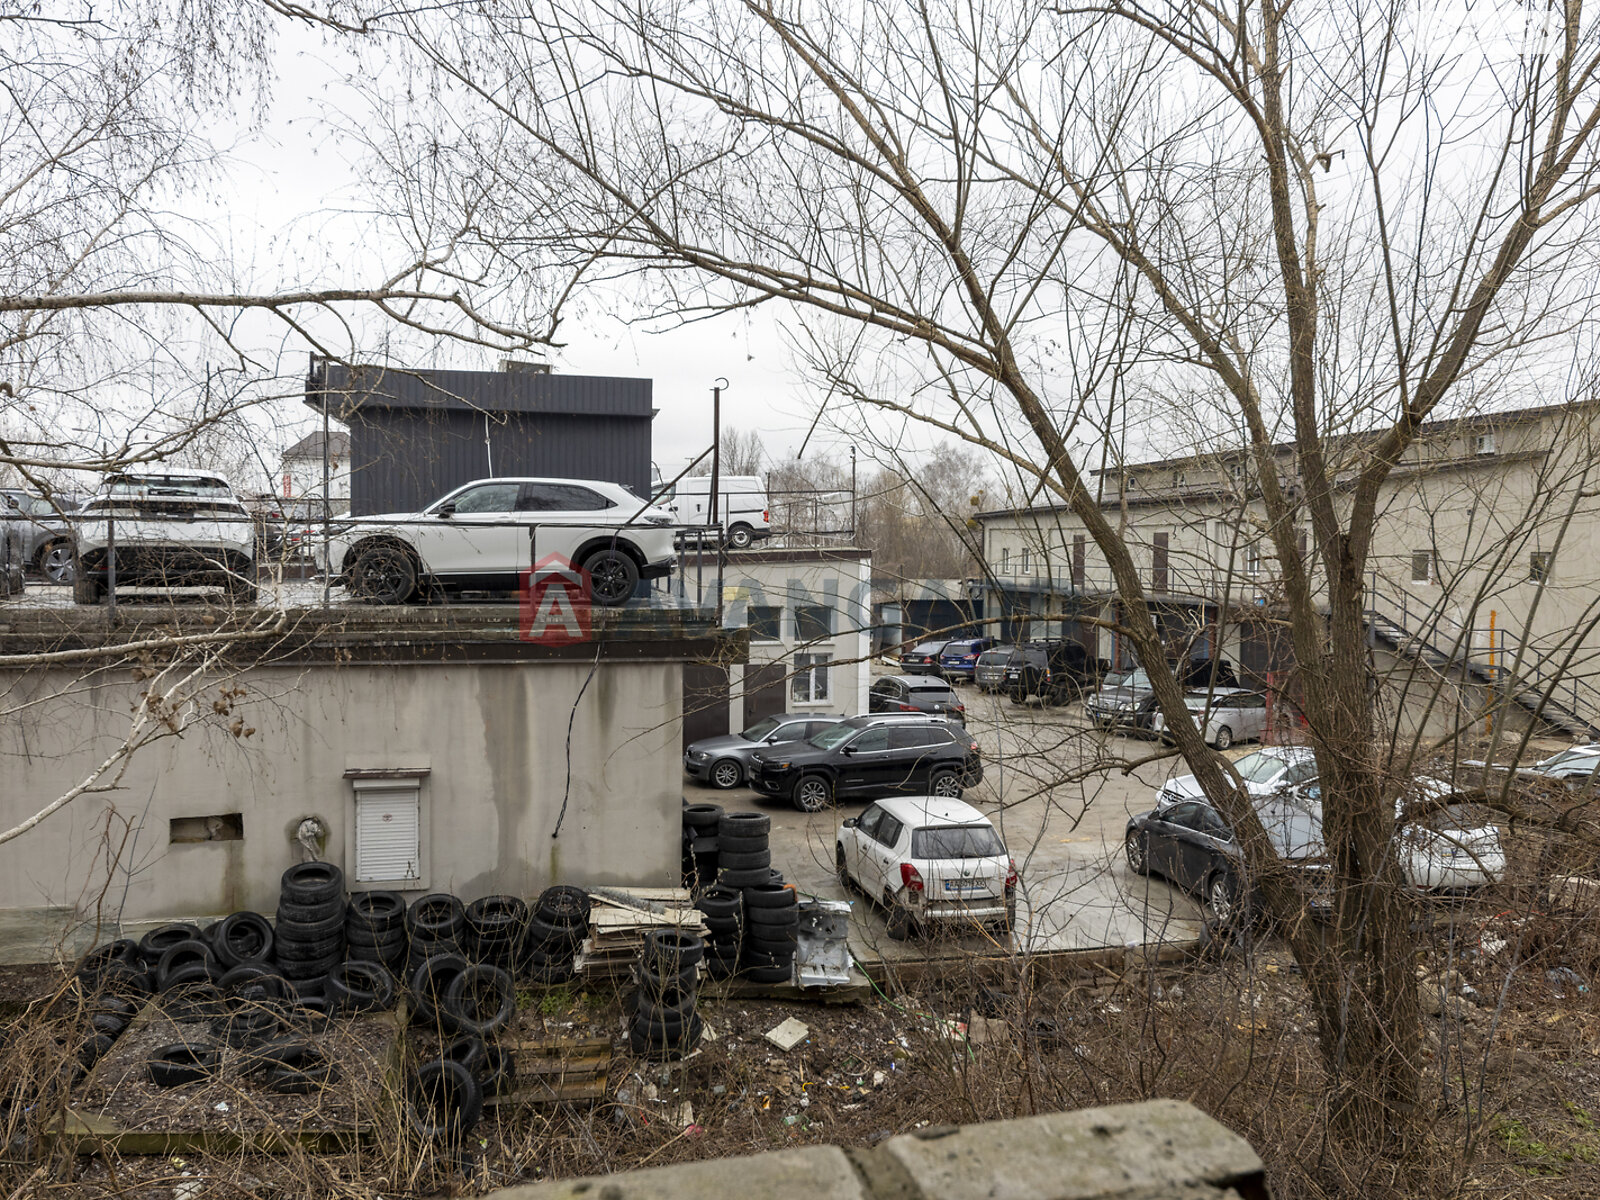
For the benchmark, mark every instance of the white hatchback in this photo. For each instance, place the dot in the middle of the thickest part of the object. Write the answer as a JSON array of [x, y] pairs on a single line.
[[928, 860], [487, 534]]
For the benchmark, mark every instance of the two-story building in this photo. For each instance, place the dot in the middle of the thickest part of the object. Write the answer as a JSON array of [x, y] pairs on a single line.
[[1482, 559]]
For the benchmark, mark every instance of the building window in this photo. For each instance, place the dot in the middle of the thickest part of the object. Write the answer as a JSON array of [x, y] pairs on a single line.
[[1236, 472], [1422, 566], [1483, 443], [1025, 562], [1005, 562], [766, 623], [1079, 559], [1539, 563], [1179, 479], [1158, 562], [809, 684], [813, 623], [1252, 560], [1131, 484], [387, 820]]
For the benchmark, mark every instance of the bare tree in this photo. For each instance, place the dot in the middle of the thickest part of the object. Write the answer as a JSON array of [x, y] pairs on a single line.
[[1006, 222]]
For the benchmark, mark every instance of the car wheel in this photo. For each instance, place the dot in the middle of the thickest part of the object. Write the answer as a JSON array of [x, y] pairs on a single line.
[[740, 537], [898, 921], [813, 794], [1224, 738], [840, 871], [725, 773], [945, 783], [1224, 905], [56, 563], [1138, 853], [612, 576], [1018, 695], [383, 575]]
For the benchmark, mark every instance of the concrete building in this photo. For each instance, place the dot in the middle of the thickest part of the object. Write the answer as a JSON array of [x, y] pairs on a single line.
[[1482, 567], [416, 434], [428, 747], [303, 474], [808, 618]]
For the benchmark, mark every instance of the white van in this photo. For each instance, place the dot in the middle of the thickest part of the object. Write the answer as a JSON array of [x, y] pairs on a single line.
[[741, 504]]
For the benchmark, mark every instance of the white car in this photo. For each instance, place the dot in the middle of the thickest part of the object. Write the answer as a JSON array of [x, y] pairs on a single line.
[[1265, 771], [928, 860], [169, 528], [1574, 766], [1226, 716], [741, 507], [487, 534], [1449, 849]]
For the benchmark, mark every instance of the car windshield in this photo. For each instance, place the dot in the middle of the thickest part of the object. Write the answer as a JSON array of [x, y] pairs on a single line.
[[1259, 767], [1196, 703], [957, 841], [1128, 679], [181, 486], [834, 735], [760, 729], [934, 689]]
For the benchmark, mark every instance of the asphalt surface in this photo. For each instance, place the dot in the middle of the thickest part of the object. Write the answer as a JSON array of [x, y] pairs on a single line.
[[1060, 794]]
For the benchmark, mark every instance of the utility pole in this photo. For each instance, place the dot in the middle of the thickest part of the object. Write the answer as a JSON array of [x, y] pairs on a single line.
[[852, 493], [716, 474]]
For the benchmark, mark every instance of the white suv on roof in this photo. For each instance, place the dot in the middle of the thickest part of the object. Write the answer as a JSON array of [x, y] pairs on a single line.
[[169, 528], [487, 534]]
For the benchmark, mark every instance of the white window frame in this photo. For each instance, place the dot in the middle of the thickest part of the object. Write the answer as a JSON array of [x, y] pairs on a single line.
[[1432, 571], [1005, 560], [388, 779], [811, 666], [1025, 561], [1252, 559], [1483, 444]]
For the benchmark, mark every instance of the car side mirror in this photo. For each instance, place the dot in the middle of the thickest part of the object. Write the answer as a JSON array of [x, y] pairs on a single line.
[[848, 750], [446, 510], [849, 823]]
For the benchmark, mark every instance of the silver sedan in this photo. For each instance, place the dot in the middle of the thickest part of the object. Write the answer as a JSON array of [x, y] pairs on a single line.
[[1225, 716]]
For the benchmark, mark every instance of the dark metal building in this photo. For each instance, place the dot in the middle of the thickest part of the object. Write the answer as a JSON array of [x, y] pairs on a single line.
[[416, 434]]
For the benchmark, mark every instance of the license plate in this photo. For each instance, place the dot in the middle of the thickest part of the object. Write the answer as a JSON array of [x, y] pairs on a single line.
[[965, 885]]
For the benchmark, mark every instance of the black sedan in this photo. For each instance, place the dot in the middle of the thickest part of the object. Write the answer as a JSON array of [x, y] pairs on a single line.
[[923, 658], [1191, 845]]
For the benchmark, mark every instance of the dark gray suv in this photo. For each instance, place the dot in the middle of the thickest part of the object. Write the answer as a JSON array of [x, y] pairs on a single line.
[[47, 542]]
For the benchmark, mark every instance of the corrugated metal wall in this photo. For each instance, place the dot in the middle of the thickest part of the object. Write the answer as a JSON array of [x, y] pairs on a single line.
[[405, 458]]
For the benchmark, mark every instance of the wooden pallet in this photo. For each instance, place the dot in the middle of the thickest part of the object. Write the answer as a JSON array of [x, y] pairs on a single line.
[[558, 1071], [617, 930]]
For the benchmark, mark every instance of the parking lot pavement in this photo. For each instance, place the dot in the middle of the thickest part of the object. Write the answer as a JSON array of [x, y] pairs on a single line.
[[1065, 833]]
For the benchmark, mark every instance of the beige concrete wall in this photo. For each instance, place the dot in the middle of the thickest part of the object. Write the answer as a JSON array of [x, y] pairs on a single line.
[[491, 737]]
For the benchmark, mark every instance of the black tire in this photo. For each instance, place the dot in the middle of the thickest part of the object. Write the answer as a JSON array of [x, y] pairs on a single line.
[[897, 922], [669, 951], [666, 1028], [725, 774], [155, 943], [302, 1081], [768, 895], [841, 870], [436, 916], [1017, 696], [107, 1005], [702, 817], [497, 917], [98, 961], [673, 1004], [1137, 849], [322, 913], [1222, 900], [1224, 738], [774, 942], [770, 922], [470, 1051], [944, 783], [499, 1072], [481, 1000], [382, 574], [292, 950], [253, 974], [744, 879], [429, 982], [388, 939], [251, 1027], [310, 1013], [443, 1101], [547, 972], [613, 575], [644, 1042], [312, 883], [563, 905], [58, 562], [175, 958], [812, 794], [110, 1024], [769, 974], [730, 843], [243, 937], [720, 902], [746, 861], [183, 1062], [744, 825], [242, 590], [552, 938], [725, 928], [355, 987], [377, 912], [740, 536]]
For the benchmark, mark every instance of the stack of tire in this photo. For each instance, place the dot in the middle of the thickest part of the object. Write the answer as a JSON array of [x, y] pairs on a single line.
[[665, 1025], [771, 925], [496, 930], [701, 844], [723, 907], [375, 929], [434, 925], [310, 932], [744, 857], [555, 931]]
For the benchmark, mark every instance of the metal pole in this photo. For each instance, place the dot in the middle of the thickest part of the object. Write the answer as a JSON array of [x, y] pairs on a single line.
[[716, 475], [852, 493], [327, 474], [111, 558]]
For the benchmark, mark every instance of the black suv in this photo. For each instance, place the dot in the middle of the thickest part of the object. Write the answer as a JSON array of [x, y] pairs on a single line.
[[915, 694], [1126, 697], [867, 757], [1054, 671]]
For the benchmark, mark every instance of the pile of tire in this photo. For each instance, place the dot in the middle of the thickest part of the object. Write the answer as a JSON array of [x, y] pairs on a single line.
[[434, 925], [444, 1099], [375, 929], [771, 926], [496, 931], [700, 844], [724, 911], [310, 931], [555, 931], [452, 995], [665, 1025], [744, 857]]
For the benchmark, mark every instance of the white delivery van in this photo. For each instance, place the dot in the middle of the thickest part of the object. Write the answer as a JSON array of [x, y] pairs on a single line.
[[741, 505]]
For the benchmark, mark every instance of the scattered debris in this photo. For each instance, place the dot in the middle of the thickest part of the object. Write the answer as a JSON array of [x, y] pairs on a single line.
[[789, 1034]]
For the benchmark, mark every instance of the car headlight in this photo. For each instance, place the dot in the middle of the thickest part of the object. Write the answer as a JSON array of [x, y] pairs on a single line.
[[783, 766], [701, 754]]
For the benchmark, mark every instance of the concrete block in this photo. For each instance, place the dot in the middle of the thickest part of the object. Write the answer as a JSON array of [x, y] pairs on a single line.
[[1160, 1147], [815, 1172]]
